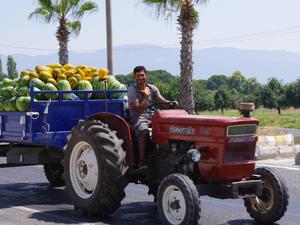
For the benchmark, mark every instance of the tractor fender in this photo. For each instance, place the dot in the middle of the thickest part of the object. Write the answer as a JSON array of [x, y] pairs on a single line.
[[118, 124]]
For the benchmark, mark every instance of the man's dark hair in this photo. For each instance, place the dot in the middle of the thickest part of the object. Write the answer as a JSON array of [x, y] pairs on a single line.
[[139, 69]]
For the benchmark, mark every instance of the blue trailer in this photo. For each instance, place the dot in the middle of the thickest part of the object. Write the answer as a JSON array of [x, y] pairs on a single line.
[[39, 135]]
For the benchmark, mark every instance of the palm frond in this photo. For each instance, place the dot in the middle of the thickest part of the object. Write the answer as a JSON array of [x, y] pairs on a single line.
[[42, 13], [74, 27], [74, 2], [87, 7]]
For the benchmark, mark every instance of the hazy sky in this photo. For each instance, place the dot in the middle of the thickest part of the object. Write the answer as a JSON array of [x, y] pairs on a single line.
[[246, 24]]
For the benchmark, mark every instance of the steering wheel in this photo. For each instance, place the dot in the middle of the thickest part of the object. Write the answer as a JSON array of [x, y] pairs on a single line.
[[167, 105]]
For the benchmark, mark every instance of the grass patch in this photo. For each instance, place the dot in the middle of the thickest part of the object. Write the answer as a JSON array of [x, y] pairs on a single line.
[[289, 118]]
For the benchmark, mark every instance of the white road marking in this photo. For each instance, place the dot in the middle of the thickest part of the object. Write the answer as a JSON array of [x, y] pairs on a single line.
[[30, 210]]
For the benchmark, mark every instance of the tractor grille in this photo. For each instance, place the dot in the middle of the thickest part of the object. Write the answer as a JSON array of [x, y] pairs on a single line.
[[238, 152], [242, 130]]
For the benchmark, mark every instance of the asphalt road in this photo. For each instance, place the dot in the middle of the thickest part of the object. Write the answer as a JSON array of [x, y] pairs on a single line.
[[26, 198]]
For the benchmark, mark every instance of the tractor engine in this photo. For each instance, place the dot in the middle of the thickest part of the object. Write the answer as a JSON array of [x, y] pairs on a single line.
[[222, 147]]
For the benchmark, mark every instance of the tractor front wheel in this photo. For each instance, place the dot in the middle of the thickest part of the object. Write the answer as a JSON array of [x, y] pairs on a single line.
[[178, 201], [272, 204]]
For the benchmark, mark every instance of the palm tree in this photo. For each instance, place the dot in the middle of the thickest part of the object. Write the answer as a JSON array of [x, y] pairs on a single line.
[[188, 21], [68, 14]]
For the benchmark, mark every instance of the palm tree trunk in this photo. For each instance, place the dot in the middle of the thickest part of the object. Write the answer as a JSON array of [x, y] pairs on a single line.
[[186, 61], [62, 35]]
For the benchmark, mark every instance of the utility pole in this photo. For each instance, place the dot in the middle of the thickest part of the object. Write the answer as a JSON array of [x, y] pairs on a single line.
[[109, 44]]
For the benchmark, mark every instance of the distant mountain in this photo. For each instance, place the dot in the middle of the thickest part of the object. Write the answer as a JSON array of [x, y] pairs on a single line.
[[207, 62]]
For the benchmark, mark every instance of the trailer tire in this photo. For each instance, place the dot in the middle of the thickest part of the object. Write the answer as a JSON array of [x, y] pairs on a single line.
[[178, 201], [54, 174], [95, 169], [271, 206]]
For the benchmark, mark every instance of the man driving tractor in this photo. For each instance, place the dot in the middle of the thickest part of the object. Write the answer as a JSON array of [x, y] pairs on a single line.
[[140, 96]]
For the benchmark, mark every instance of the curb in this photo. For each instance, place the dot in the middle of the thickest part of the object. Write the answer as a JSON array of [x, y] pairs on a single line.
[[276, 147]]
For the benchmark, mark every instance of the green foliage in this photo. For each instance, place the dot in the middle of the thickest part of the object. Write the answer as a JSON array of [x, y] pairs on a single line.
[[68, 14], [221, 92], [273, 94], [1, 71], [216, 81], [268, 117], [11, 68], [223, 98]]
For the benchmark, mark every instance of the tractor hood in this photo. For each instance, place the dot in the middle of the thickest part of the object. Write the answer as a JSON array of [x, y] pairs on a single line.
[[179, 125]]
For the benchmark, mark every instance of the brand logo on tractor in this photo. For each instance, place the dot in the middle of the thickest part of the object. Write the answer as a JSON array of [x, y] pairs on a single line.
[[182, 130], [241, 139]]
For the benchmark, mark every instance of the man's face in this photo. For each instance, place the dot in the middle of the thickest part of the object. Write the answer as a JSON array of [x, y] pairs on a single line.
[[140, 77]]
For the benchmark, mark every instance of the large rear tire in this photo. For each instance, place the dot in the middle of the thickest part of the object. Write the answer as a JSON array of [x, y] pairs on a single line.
[[178, 201], [271, 206], [95, 168], [54, 173]]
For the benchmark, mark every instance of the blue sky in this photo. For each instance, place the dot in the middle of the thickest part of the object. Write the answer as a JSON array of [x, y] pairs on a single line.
[[245, 24]]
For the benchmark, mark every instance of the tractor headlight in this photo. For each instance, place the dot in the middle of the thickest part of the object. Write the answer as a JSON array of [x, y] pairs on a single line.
[[194, 155]]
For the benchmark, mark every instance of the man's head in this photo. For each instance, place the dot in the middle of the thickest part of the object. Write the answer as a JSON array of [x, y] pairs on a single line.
[[140, 75]]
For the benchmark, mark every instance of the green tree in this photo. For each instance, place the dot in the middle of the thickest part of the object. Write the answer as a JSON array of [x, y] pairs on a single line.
[[204, 99], [222, 98], [188, 21], [1, 71], [273, 95], [237, 81], [292, 97], [68, 14], [252, 92], [11, 68], [216, 81]]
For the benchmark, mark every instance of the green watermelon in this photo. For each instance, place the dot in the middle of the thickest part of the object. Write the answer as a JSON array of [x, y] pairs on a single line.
[[10, 105], [64, 85], [36, 82], [7, 92], [24, 91], [114, 84], [99, 85], [7, 82], [50, 87], [84, 85], [24, 81], [37, 96], [23, 103], [2, 100]]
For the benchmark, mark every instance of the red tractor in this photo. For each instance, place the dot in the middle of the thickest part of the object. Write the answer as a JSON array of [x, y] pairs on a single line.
[[187, 156]]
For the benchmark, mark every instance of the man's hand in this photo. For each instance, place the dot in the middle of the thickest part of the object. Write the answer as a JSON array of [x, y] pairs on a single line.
[[174, 104], [146, 92]]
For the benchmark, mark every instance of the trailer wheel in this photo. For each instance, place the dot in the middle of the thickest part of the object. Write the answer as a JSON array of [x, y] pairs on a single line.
[[178, 201], [271, 206], [54, 173], [95, 169]]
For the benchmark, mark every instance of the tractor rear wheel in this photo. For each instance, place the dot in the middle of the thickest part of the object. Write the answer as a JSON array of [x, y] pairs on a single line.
[[272, 204], [95, 168], [178, 201]]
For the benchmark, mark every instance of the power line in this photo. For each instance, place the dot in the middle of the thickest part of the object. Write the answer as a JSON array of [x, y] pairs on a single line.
[[213, 41], [26, 48]]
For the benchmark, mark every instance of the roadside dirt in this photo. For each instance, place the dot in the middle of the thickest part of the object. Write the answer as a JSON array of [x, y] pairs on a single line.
[[269, 131]]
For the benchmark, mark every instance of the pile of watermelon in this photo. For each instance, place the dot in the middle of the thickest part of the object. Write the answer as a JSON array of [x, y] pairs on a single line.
[[15, 94]]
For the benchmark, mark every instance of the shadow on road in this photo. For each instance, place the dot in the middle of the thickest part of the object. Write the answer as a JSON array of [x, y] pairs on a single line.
[[22, 194], [129, 214], [52, 205], [244, 222]]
